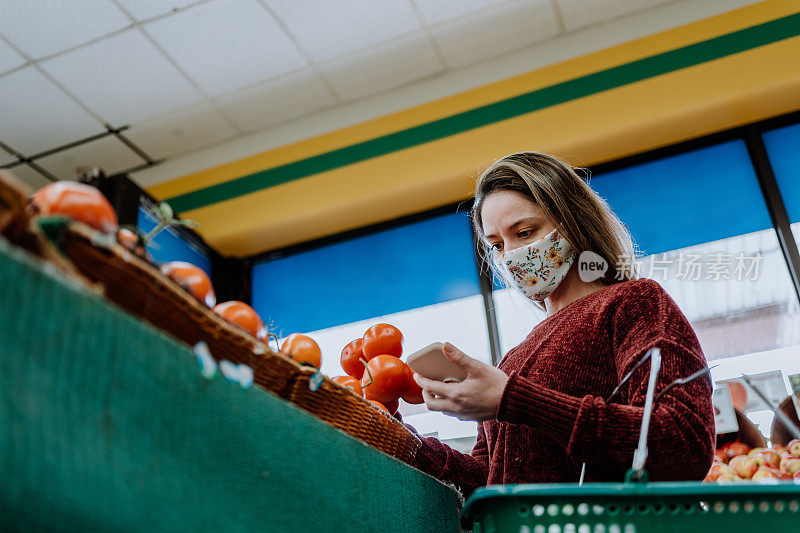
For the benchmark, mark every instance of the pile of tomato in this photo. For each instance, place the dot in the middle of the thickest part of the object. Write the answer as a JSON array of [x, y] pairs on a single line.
[[376, 372], [88, 205]]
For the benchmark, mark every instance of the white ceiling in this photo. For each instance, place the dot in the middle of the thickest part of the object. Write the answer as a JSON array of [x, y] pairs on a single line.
[[191, 74]]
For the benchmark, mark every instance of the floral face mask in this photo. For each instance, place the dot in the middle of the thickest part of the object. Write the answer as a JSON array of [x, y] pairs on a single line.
[[537, 268]]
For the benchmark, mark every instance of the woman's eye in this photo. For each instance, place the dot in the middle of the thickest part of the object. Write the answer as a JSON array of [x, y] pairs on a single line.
[[524, 234], [496, 247]]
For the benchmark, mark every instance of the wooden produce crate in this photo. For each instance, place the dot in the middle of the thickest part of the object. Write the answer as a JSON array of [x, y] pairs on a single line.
[[354, 415]]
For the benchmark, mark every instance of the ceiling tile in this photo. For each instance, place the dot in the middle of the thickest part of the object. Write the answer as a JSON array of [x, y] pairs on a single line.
[[181, 131], [108, 153], [329, 29], [227, 44], [37, 115], [438, 11], [9, 58], [43, 28], [506, 27], [147, 9], [124, 79], [382, 67], [29, 176], [580, 13], [276, 101]]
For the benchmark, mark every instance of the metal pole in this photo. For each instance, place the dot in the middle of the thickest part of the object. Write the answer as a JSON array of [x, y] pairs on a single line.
[[774, 201], [485, 279]]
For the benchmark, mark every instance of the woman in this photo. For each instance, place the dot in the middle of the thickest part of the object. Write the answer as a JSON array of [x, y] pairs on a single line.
[[542, 412]]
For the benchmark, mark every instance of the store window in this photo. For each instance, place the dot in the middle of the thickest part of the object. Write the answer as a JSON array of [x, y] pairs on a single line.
[[516, 316], [421, 277], [408, 267], [168, 245]]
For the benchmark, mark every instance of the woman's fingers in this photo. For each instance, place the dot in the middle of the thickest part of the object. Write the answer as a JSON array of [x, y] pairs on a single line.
[[436, 404], [438, 388], [460, 358]]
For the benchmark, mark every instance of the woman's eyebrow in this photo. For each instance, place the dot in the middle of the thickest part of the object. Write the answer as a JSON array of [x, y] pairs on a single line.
[[516, 224], [522, 221]]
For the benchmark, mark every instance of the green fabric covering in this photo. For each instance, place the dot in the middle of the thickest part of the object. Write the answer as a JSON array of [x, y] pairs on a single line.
[[107, 424]]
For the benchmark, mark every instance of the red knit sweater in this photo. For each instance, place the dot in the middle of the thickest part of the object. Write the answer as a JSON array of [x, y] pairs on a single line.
[[553, 417]]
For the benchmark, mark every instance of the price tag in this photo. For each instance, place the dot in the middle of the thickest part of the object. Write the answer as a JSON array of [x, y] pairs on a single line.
[[770, 383], [724, 415], [315, 381], [207, 364], [241, 373]]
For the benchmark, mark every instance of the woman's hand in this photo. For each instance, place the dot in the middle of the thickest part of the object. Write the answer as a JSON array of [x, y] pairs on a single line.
[[475, 398]]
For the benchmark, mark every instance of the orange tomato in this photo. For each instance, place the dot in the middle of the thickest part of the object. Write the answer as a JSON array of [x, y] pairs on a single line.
[[242, 315], [385, 379], [349, 382], [130, 240], [382, 339], [379, 405], [192, 279], [413, 392], [302, 349], [351, 359], [78, 201]]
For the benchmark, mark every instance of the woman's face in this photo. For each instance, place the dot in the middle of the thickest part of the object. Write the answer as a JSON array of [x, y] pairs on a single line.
[[511, 220]]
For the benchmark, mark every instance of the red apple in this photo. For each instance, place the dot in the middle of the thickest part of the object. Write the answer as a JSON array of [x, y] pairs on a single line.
[[796, 476], [794, 447], [780, 450], [717, 470], [771, 458], [766, 472], [745, 466], [756, 450], [721, 455], [737, 448], [727, 478], [792, 466]]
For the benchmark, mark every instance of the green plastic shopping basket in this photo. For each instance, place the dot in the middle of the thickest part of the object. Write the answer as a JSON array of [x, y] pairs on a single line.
[[633, 507]]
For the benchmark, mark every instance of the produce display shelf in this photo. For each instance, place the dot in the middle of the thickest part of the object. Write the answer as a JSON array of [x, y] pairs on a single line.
[[634, 507], [106, 423]]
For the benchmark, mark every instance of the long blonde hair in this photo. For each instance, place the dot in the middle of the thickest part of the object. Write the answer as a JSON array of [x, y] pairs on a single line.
[[585, 219]]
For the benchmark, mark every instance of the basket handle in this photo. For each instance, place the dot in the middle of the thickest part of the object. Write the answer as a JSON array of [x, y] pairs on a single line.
[[640, 455]]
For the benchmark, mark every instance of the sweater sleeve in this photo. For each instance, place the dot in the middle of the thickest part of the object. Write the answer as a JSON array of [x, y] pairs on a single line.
[[466, 471], [681, 438]]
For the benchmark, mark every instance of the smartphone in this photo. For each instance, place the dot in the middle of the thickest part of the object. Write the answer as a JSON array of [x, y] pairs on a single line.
[[431, 363]]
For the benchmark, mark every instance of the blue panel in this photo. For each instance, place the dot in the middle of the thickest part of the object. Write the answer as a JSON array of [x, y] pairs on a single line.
[[171, 247], [691, 198], [783, 148], [394, 270]]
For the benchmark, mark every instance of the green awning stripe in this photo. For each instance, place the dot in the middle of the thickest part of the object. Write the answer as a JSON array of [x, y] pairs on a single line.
[[642, 69]]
